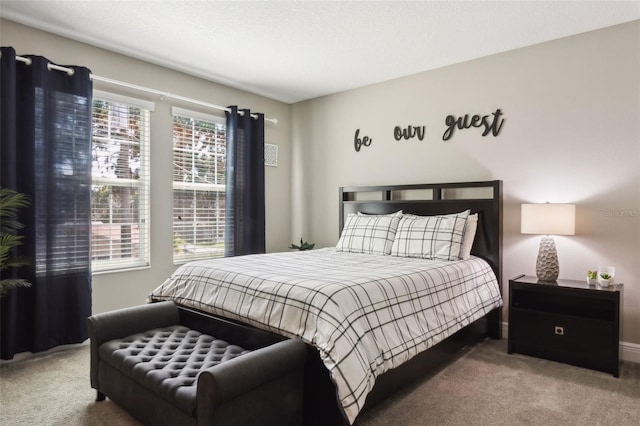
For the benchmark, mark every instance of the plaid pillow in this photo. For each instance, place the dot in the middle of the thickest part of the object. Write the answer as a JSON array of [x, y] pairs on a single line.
[[370, 234], [469, 235], [430, 237]]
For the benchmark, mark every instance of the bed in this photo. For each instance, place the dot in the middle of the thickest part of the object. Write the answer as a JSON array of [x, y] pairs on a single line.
[[374, 312]]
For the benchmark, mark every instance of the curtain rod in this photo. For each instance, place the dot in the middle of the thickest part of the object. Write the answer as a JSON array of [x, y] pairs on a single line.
[[162, 94]]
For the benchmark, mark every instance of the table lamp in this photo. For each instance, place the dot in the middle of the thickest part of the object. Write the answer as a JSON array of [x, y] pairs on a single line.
[[548, 219]]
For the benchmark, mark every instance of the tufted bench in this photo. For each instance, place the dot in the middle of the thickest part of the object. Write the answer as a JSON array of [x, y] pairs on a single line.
[[165, 372]]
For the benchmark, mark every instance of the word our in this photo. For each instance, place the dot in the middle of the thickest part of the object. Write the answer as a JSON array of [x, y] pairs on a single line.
[[409, 133]]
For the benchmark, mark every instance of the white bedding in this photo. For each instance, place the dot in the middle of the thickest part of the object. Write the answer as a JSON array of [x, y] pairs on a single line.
[[365, 313]]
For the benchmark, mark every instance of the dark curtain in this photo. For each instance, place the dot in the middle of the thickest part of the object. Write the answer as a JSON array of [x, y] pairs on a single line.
[[45, 119], [245, 220]]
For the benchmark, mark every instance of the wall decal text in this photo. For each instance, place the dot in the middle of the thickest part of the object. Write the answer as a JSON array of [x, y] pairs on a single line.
[[358, 143], [490, 125], [409, 133]]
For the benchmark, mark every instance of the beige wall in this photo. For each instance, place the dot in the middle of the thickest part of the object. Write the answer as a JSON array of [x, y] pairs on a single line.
[[115, 290], [571, 134]]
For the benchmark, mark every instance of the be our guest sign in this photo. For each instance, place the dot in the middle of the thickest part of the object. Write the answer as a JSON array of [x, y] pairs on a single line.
[[489, 124]]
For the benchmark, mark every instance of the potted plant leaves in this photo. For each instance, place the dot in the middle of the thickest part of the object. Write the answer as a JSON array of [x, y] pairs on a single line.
[[303, 246], [605, 275], [605, 280], [10, 202], [592, 277]]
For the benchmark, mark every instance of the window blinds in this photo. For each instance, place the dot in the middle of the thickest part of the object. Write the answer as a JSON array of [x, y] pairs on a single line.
[[199, 164], [120, 182]]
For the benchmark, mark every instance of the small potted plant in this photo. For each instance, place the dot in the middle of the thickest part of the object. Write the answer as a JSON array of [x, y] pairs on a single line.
[[592, 277], [605, 280], [605, 275], [303, 246]]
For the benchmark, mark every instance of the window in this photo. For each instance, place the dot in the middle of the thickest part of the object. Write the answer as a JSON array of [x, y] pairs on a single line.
[[199, 163], [120, 182]]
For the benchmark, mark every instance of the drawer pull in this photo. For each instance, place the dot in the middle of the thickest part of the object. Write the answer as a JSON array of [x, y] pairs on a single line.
[[559, 330]]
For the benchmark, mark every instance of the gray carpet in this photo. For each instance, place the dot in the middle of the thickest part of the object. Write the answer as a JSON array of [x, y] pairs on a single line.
[[485, 386]]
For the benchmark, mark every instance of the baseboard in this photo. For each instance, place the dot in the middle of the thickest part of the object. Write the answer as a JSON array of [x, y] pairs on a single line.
[[629, 352]]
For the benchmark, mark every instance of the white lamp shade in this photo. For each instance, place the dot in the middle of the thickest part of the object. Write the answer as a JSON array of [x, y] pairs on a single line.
[[548, 219]]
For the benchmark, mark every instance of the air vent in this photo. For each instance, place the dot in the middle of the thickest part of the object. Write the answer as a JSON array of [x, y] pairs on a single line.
[[270, 155]]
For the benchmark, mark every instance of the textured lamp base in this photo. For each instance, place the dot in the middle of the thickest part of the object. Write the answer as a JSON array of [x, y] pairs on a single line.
[[547, 268]]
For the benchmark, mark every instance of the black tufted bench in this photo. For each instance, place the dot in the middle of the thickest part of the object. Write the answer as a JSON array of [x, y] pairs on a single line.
[[164, 372]]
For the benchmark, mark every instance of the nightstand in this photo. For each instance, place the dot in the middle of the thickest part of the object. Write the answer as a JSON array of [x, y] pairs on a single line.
[[567, 321]]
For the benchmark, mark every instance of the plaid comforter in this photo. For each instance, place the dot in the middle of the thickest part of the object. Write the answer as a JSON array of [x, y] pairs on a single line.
[[366, 314]]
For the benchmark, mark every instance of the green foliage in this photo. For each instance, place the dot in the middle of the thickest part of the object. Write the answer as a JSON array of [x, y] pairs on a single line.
[[605, 276], [178, 243], [592, 275], [10, 203], [303, 246]]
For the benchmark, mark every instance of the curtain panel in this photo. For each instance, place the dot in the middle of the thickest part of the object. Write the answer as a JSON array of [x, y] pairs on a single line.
[[45, 126], [245, 191]]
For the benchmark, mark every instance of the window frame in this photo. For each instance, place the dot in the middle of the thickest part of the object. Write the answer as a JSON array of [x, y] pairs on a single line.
[[195, 186], [142, 184]]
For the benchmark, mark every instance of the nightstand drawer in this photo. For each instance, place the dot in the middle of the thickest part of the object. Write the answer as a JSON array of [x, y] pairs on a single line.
[[575, 340]]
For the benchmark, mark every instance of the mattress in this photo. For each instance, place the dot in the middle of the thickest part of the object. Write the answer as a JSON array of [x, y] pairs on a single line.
[[364, 313]]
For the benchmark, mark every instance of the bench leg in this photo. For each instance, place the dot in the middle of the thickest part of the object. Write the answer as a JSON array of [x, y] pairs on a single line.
[[100, 396]]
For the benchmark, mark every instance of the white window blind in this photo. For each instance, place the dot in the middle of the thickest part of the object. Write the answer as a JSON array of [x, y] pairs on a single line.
[[120, 182], [199, 163]]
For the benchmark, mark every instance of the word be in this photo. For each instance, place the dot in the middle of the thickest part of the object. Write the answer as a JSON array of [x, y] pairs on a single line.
[[409, 133], [490, 125], [358, 143]]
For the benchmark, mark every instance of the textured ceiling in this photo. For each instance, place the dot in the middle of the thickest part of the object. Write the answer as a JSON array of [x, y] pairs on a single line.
[[297, 50]]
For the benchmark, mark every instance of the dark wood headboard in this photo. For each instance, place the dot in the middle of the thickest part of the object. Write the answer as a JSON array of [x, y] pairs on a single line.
[[484, 198]]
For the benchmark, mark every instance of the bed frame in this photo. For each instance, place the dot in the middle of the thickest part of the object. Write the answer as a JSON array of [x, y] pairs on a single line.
[[484, 198]]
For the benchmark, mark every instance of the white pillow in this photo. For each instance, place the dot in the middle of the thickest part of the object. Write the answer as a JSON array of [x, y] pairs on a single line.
[[370, 234], [430, 237], [468, 236]]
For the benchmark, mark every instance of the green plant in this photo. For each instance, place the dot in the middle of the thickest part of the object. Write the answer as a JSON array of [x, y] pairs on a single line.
[[178, 243], [605, 276], [303, 246], [10, 203], [592, 275]]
